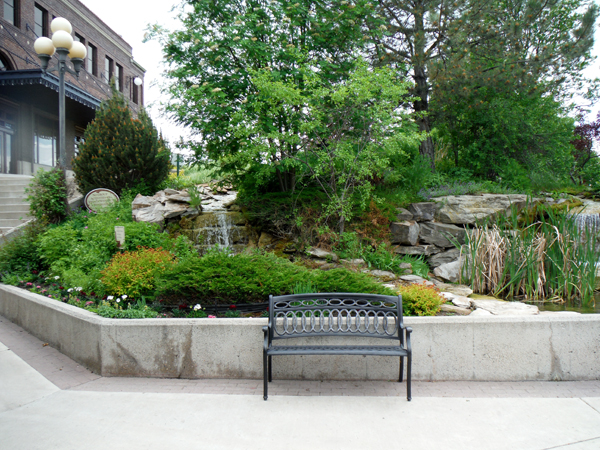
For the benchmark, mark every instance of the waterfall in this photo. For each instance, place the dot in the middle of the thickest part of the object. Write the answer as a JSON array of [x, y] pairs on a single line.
[[588, 223], [220, 234]]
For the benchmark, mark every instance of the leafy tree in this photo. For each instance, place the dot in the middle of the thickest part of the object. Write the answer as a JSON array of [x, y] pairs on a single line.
[[222, 43], [457, 46], [346, 131], [519, 138], [120, 152], [585, 135]]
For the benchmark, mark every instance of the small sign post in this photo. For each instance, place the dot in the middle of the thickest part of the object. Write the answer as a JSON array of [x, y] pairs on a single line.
[[120, 236]]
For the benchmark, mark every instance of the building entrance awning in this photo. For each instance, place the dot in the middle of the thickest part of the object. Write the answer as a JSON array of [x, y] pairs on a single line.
[[38, 77]]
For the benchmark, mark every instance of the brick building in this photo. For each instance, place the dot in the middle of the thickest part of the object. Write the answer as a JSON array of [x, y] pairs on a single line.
[[29, 97]]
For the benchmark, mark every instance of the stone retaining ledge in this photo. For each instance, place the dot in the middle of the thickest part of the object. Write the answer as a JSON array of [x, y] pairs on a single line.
[[559, 347]]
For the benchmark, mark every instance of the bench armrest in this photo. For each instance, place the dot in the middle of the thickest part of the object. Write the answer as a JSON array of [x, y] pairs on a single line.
[[266, 342], [408, 345]]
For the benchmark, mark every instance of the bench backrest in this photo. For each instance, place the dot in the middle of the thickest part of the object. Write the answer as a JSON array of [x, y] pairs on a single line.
[[335, 314]]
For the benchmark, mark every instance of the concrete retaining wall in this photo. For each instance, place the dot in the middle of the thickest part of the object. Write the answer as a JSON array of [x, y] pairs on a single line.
[[561, 347]]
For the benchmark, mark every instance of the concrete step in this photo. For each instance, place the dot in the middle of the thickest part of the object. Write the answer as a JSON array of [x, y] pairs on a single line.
[[23, 216], [9, 195], [14, 207], [11, 223], [12, 187]]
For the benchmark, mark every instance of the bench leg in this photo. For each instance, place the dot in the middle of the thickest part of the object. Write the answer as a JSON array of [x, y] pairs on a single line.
[[270, 368], [408, 373], [265, 385], [401, 375]]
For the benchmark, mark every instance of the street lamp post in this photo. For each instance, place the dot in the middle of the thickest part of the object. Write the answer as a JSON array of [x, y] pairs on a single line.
[[63, 44]]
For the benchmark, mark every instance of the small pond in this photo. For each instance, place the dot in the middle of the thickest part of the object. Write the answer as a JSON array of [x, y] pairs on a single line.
[[589, 309]]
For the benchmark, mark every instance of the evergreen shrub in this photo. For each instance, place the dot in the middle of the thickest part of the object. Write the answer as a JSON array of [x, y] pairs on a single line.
[[250, 278], [121, 152]]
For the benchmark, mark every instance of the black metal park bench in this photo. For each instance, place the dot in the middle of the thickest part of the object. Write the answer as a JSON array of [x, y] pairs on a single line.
[[340, 315]]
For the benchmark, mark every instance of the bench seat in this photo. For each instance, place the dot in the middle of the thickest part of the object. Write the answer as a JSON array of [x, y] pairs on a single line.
[[375, 350]]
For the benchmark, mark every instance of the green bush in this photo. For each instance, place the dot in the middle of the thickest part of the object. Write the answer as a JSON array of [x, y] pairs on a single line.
[[420, 300], [48, 196], [120, 152], [251, 278], [19, 254]]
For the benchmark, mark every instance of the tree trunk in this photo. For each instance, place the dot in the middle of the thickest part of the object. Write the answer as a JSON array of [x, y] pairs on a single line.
[[421, 107]]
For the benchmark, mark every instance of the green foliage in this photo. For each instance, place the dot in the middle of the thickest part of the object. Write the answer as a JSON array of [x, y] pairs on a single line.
[[120, 152], [81, 247], [420, 300], [342, 280], [251, 278], [346, 131], [381, 257], [132, 312], [195, 196], [19, 254], [214, 59], [522, 140], [48, 196], [133, 273], [418, 264]]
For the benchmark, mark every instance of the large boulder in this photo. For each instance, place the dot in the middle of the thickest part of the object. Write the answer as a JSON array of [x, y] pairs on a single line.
[[444, 258], [442, 234], [469, 209], [405, 233], [422, 211], [403, 215], [449, 271]]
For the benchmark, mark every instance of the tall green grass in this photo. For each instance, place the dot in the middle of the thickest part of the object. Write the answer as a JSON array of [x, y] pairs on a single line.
[[550, 258]]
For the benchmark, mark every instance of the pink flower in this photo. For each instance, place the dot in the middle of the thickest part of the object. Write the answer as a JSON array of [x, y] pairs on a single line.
[[29, 284], [38, 287], [89, 303], [212, 317]]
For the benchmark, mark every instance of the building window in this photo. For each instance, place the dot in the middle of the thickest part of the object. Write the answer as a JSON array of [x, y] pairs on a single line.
[[108, 69], [45, 141], [41, 21], [91, 65], [10, 11], [119, 78], [134, 90]]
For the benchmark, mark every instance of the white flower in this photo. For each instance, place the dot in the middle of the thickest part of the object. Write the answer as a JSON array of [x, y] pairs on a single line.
[[70, 290], [123, 296], [110, 297], [216, 90], [78, 289], [56, 277], [197, 307], [118, 300]]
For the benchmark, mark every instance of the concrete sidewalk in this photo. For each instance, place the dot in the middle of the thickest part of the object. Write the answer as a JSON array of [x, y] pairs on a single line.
[[48, 401]]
